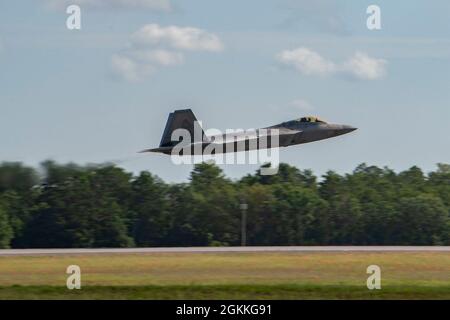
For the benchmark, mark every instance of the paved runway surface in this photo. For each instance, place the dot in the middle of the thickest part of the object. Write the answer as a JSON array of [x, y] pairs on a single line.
[[299, 249]]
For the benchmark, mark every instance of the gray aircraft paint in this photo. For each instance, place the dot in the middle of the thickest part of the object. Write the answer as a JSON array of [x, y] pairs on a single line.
[[293, 132]]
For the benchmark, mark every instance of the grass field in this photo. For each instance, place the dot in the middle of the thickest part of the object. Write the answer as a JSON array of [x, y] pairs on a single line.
[[405, 275]]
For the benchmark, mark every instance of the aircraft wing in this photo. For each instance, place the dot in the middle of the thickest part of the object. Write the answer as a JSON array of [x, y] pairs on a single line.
[[283, 133], [285, 136]]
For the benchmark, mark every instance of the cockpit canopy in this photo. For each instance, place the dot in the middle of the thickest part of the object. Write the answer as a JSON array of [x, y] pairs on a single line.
[[310, 119], [294, 123]]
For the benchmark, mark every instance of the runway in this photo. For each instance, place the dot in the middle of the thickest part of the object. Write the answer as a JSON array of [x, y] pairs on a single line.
[[292, 249]]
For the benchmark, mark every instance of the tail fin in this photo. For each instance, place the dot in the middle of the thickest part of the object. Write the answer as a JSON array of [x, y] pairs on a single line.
[[181, 119]]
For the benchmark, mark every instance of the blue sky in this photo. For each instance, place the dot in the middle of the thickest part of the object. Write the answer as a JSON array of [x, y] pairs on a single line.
[[63, 97]]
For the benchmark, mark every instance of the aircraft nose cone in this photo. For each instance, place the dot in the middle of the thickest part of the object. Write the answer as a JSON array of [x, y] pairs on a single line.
[[347, 129]]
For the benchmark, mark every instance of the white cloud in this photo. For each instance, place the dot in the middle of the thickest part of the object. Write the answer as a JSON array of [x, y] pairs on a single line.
[[185, 38], [362, 66], [129, 69], [158, 5], [153, 46], [158, 57], [308, 62]]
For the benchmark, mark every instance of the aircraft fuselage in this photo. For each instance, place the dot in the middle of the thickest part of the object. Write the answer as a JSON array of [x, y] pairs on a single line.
[[299, 131]]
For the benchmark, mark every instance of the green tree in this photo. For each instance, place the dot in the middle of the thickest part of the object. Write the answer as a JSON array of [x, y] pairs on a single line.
[[260, 215], [286, 174], [150, 205], [421, 220], [16, 177], [185, 225], [331, 185], [18, 207], [77, 213], [345, 220], [105, 206], [412, 182], [6, 232], [55, 173], [439, 183], [216, 205], [376, 191]]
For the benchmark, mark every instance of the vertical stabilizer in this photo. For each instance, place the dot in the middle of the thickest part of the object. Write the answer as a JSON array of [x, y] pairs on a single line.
[[181, 119]]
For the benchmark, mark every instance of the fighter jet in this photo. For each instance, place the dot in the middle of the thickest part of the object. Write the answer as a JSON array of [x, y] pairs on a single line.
[[194, 141]]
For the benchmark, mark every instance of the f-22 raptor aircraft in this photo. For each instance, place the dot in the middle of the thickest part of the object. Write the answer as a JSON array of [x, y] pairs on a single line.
[[298, 131]]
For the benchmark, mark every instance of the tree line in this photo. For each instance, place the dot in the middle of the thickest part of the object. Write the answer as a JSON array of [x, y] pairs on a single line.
[[67, 205]]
